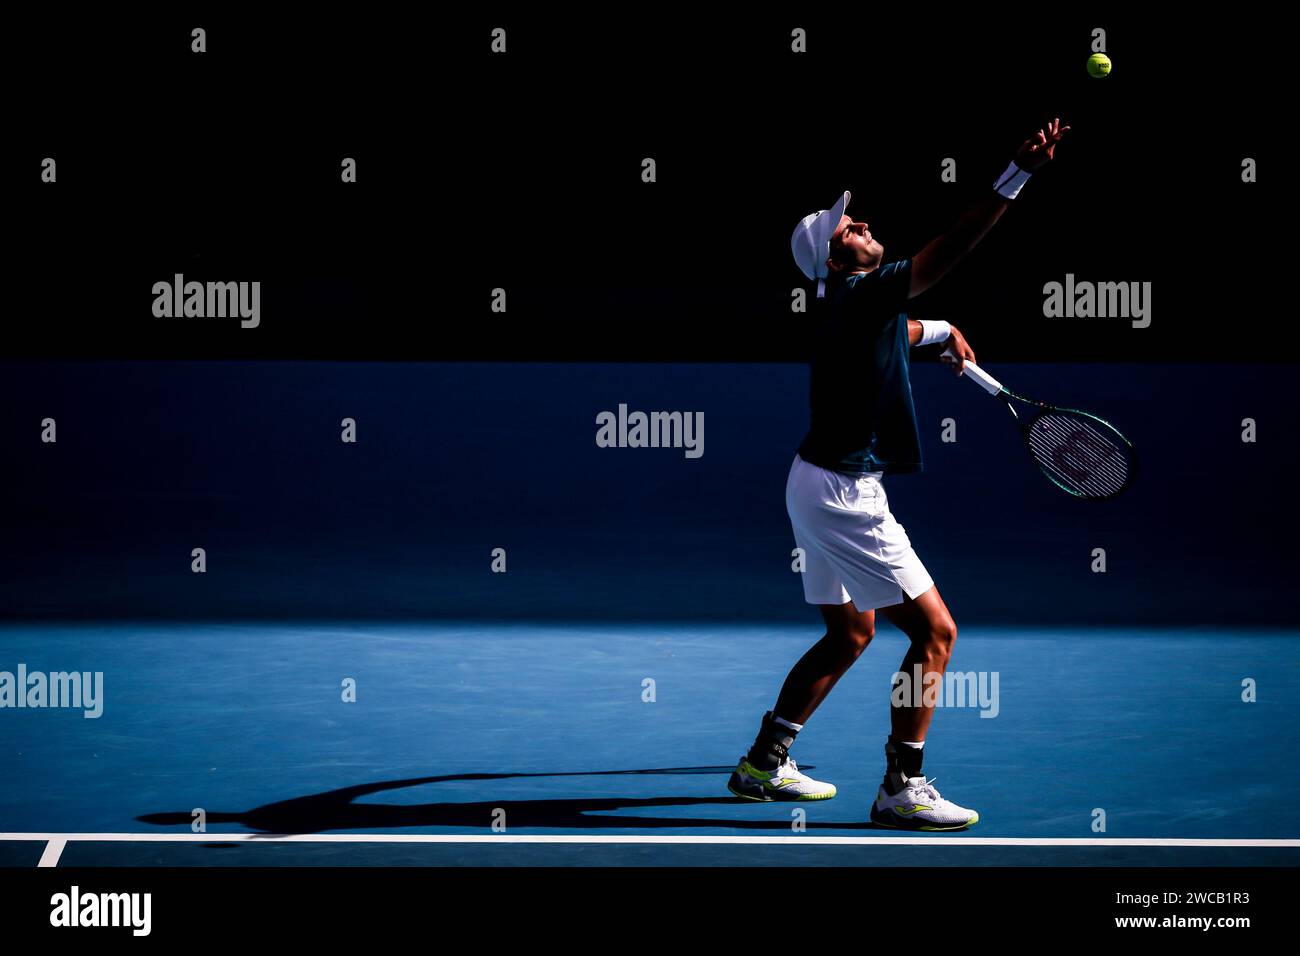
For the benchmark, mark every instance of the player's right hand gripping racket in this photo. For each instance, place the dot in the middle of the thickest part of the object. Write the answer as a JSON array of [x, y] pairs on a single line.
[[1082, 455]]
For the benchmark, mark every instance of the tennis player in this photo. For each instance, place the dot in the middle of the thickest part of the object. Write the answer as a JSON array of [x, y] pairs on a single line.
[[858, 558]]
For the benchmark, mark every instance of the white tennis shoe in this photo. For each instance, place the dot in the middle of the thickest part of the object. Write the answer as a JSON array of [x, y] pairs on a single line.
[[786, 782], [918, 806]]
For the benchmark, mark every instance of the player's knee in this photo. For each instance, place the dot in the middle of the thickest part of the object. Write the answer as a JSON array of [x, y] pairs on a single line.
[[943, 634], [860, 635], [936, 640], [854, 636]]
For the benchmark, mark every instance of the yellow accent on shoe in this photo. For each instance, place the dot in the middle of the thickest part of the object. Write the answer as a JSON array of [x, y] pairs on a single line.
[[770, 783], [956, 826], [817, 796]]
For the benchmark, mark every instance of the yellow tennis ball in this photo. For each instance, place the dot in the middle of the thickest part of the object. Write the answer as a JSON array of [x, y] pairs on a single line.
[[1098, 65]]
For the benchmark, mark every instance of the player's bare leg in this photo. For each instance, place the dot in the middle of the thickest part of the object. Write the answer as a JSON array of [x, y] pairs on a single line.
[[931, 632], [767, 772], [848, 632]]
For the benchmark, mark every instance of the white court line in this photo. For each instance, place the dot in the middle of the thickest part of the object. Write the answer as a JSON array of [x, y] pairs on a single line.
[[940, 840], [53, 850]]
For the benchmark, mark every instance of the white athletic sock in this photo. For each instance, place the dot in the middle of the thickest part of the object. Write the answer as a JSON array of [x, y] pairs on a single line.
[[785, 723], [918, 744]]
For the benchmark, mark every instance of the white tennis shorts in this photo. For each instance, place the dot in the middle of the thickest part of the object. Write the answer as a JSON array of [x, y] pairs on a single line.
[[853, 548]]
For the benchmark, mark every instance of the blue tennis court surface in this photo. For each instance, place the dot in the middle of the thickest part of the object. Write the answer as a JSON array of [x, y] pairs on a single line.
[[615, 732]]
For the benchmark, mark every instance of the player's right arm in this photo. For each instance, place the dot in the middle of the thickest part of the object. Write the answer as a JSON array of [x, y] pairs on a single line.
[[955, 341]]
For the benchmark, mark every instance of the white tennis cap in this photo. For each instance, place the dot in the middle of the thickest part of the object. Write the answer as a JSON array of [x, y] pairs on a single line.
[[811, 242]]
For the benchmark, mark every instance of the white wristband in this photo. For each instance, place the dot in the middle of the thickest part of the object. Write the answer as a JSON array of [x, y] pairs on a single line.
[[1011, 182], [932, 332]]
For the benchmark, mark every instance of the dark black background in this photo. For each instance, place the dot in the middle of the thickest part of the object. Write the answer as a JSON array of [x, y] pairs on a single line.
[[522, 171], [642, 903]]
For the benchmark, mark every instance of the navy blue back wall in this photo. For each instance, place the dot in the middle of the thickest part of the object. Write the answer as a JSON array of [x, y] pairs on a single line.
[[454, 460]]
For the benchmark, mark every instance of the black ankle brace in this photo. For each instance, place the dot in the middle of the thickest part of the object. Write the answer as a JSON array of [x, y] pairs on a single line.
[[772, 745], [901, 763]]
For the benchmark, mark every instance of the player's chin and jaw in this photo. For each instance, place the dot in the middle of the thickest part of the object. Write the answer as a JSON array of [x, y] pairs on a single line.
[[860, 257]]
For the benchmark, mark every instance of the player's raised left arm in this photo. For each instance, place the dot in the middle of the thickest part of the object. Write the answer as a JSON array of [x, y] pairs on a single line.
[[939, 256]]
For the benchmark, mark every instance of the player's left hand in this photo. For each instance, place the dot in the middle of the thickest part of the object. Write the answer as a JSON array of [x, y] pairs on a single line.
[[956, 351], [1037, 150]]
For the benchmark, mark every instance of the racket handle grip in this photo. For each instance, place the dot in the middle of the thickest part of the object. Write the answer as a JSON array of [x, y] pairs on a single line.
[[981, 378]]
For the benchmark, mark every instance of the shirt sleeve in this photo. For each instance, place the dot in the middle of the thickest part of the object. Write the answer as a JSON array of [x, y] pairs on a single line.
[[895, 283], [882, 295]]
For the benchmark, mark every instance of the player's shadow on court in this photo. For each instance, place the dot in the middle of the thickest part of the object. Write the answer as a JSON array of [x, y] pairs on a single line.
[[338, 809]]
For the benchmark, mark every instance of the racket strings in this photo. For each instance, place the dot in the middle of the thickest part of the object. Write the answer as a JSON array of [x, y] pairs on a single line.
[[1078, 454]]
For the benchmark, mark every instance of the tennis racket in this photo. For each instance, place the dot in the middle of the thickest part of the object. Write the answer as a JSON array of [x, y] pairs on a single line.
[[1080, 453]]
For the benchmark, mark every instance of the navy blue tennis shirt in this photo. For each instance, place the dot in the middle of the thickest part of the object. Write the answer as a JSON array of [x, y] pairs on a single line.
[[863, 419]]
